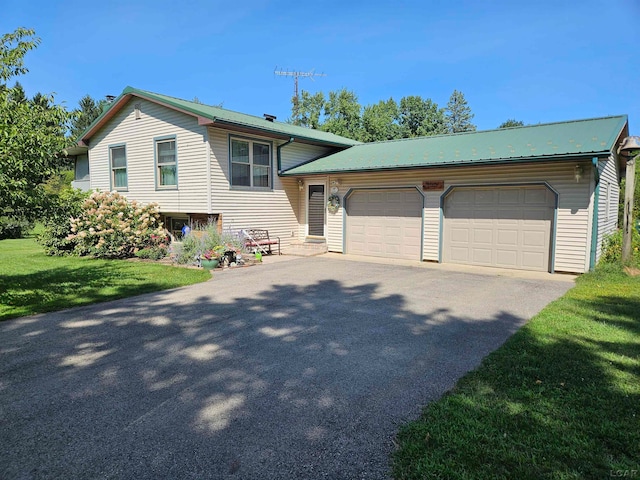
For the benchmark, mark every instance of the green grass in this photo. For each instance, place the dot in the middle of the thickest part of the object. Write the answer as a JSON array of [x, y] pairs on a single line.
[[559, 400], [32, 282]]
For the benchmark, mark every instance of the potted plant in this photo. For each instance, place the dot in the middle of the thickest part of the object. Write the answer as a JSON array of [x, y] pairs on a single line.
[[210, 259]]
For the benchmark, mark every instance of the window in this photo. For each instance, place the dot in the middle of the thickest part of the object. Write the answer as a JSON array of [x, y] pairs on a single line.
[[250, 163], [166, 163], [118, 159], [82, 167]]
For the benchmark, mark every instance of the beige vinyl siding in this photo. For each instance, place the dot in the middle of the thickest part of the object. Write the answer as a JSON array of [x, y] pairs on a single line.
[[296, 153], [274, 209], [608, 200], [571, 231], [138, 137]]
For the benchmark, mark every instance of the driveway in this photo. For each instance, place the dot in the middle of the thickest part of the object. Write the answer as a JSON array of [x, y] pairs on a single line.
[[299, 369]]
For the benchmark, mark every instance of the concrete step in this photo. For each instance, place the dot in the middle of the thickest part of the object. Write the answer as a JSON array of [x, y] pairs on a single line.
[[305, 249]]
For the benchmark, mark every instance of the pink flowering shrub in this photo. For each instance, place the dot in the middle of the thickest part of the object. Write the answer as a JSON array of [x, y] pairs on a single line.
[[110, 226]]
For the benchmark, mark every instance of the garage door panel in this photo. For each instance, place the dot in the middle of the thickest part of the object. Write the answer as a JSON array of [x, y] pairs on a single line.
[[507, 258], [535, 215], [509, 197], [533, 261], [460, 234], [481, 236], [536, 196], [482, 256], [392, 221], [534, 238], [459, 254], [507, 237], [504, 226], [484, 197]]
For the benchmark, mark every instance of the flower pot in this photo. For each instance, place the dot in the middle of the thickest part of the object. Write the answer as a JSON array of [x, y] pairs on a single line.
[[209, 264]]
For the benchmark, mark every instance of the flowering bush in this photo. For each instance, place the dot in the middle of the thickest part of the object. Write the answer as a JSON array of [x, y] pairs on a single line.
[[112, 227], [206, 243]]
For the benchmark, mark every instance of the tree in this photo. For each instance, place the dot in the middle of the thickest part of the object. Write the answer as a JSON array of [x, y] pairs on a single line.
[[458, 114], [380, 121], [342, 114], [33, 136], [420, 117], [309, 109], [89, 109], [17, 94], [512, 122]]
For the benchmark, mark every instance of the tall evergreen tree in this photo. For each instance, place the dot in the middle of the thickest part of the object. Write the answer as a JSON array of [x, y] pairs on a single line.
[[83, 116], [458, 114]]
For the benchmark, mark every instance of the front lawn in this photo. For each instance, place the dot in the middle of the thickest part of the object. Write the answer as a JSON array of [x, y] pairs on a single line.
[[32, 282], [560, 399]]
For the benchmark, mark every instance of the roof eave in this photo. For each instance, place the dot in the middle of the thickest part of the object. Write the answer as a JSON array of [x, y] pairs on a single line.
[[505, 161], [203, 120], [240, 127]]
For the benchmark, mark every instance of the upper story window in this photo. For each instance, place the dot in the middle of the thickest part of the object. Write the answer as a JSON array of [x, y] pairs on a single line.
[[250, 163], [166, 163], [118, 160]]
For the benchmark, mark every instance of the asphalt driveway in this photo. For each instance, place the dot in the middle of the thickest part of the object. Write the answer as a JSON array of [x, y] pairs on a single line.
[[300, 369]]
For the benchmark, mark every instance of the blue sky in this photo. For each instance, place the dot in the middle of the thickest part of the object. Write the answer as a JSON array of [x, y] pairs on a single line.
[[536, 61]]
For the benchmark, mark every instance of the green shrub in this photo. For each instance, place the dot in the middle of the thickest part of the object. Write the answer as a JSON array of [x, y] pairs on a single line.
[[152, 253], [13, 226], [112, 227], [612, 248], [63, 206]]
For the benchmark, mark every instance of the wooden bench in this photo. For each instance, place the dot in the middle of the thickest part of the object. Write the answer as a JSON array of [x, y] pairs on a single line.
[[258, 239]]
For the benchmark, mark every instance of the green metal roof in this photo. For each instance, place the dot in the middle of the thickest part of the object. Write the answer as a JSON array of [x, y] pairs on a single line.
[[209, 115], [579, 138]]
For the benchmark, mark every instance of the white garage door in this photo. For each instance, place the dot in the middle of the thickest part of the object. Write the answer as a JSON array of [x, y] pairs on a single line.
[[385, 223], [508, 227]]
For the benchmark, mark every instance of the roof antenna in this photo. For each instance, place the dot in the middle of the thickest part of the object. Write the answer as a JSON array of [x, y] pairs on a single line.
[[297, 74]]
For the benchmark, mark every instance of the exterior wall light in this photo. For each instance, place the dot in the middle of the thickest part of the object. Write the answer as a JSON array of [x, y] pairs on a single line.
[[300, 184], [577, 173]]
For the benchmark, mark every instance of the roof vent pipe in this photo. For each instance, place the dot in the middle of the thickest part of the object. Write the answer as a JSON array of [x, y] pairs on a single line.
[[269, 118]]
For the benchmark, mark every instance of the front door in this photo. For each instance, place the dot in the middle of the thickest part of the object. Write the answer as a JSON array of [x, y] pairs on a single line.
[[315, 210]]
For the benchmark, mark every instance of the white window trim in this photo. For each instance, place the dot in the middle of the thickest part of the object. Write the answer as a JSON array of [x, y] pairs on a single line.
[[112, 169], [156, 142], [251, 142]]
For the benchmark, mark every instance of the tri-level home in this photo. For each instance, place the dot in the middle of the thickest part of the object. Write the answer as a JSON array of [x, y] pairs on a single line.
[[540, 197], [202, 163]]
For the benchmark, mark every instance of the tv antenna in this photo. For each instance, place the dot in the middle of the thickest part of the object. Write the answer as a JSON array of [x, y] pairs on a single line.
[[296, 75]]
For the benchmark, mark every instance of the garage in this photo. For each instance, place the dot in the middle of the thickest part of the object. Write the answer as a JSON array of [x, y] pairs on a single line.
[[385, 223], [506, 227]]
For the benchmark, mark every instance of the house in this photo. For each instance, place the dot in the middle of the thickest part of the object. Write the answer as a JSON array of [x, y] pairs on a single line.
[[540, 197], [202, 163]]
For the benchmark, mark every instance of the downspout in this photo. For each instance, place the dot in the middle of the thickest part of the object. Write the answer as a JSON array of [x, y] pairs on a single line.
[[279, 154], [594, 221]]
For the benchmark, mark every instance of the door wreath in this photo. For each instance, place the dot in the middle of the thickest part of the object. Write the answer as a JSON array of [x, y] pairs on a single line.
[[333, 204]]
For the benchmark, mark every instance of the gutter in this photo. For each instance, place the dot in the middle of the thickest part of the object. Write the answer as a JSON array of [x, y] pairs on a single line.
[[594, 221], [271, 132], [279, 154]]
